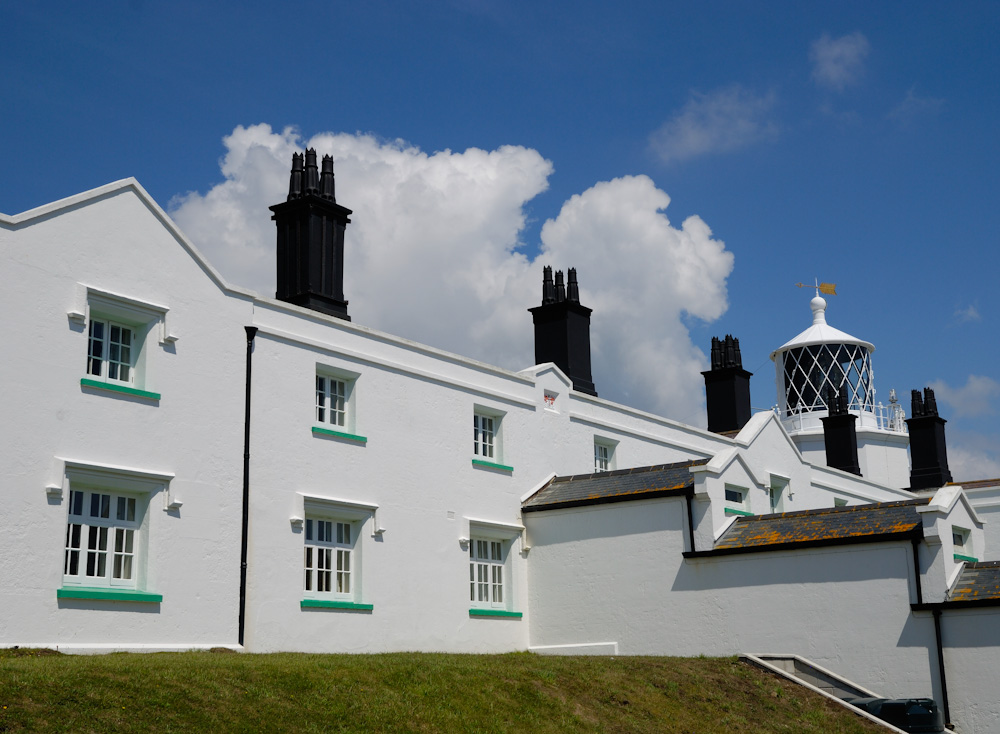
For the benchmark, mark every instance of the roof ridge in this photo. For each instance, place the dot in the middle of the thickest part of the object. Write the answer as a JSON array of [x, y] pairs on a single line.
[[631, 470], [871, 506]]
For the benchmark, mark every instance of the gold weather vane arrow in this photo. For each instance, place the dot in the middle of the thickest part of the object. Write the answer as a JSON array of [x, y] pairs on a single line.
[[829, 289]]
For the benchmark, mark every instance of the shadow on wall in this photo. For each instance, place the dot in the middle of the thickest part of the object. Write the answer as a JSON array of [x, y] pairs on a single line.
[[808, 566], [597, 521]]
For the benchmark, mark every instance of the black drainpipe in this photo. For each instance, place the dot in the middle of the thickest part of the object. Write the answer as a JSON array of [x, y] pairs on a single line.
[[915, 541], [940, 656], [688, 497], [251, 333]]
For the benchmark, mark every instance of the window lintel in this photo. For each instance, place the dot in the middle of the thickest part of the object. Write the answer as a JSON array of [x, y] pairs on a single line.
[[114, 477], [313, 504], [489, 412], [123, 308], [493, 530], [324, 369]]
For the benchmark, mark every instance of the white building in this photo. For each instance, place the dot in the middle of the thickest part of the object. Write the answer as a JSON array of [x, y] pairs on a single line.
[[187, 464]]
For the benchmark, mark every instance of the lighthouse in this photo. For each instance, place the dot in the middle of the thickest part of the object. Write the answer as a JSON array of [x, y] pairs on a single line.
[[824, 367]]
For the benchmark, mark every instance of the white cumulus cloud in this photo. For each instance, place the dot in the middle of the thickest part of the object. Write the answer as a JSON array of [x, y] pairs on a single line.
[[838, 62], [724, 120], [640, 274], [434, 254], [972, 399]]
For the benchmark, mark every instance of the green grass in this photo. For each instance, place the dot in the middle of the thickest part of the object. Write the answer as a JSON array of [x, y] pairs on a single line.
[[41, 691]]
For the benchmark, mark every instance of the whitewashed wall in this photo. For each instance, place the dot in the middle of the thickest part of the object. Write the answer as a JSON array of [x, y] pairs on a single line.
[[971, 638], [115, 240], [414, 406], [615, 573]]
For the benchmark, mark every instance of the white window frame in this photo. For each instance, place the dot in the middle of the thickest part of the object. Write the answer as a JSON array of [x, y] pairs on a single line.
[[345, 513], [123, 485], [146, 323], [328, 558], [335, 408], [961, 542], [103, 534], [111, 359], [777, 493], [487, 568], [487, 435], [604, 454], [734, 507], [487, 573]]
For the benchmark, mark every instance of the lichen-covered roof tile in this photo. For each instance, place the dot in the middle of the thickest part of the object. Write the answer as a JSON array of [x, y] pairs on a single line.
[[854, 523], [978, 581], [614, 486]]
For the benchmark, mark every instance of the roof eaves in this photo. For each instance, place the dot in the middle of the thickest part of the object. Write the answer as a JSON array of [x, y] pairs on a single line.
[[611, 499], [910, 534]]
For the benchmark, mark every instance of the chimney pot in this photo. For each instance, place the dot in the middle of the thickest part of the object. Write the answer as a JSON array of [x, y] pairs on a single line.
[[312, 173], [548, 287], [573, 290], [562, 330], [326, 183], [727, 387], [295, 180], [310, 242], [928, 448], [840, 433]]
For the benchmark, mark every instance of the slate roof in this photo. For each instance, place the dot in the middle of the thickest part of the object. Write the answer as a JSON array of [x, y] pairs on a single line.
[[978, 581], [640, 483], [826, 526]]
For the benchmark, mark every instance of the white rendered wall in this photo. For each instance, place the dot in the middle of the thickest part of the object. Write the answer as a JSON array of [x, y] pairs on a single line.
[[985, 499], [882, 455], [971, 638], [117, 243], [846, 608]]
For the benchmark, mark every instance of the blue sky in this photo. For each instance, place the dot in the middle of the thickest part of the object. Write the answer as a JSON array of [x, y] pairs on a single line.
[[853, 142]]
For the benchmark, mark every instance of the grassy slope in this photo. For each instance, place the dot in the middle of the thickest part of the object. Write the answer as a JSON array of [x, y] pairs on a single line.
[[402, 692]]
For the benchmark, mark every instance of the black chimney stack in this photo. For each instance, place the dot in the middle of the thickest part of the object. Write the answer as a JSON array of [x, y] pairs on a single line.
[[311, 239], [928, 452], [840, 434], [727, 387], [562, 330]]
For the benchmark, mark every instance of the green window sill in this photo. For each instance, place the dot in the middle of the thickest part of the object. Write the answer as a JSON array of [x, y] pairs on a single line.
[[492, 465], [331, 604], [494, 613], [967, 559], [111, 387], [741, 513], [339, 434], [107, 594]]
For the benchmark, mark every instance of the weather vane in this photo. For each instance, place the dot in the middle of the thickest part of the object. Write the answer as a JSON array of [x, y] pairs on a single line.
[[829, 289]]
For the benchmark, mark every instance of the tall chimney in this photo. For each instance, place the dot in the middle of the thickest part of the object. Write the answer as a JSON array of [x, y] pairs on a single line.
[[311, 239], [562, 330], [840, 434], [727, 387], [928, 451]]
